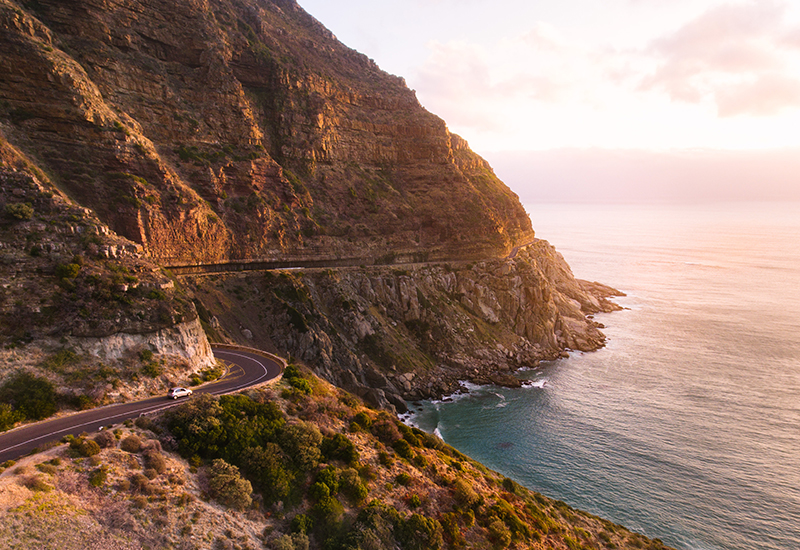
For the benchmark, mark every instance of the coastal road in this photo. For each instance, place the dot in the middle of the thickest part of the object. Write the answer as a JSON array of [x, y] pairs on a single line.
[[246, 369]]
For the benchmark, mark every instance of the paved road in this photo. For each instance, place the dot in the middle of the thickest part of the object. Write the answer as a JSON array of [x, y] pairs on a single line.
[[247, 369]]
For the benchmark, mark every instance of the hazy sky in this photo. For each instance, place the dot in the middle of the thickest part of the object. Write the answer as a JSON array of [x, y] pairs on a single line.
[[677, 84]]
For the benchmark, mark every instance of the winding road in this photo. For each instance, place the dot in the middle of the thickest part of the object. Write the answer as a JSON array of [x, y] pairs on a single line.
[[246, 369]]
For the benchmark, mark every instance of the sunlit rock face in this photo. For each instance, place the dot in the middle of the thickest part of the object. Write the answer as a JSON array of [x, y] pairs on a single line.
[[210, 130]]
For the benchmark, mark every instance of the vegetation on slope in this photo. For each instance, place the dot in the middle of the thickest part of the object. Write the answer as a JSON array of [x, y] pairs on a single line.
[[297, 467]]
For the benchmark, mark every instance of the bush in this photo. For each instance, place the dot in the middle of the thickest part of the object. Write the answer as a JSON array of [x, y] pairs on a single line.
[[156, 461], [85, 447], [9, 417], [105, 439], [403, 449], [30, 395], [301, 384], [403, 479], [465, 495], [301, 523], [301, 442], [327, 512], [499, 534], [339, 447], [228, 487], [36, 483], [421, 533], [99, 477], [19, 211], [67, 271], [363, 420], [131, 444], [140, 482], [265, 466], [386, 431], [152, 369]]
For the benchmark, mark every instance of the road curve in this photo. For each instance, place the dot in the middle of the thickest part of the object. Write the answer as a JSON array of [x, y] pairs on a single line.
[[246, 369]]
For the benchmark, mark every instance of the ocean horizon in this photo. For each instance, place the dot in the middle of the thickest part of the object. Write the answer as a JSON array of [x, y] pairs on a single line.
[[686, 426]]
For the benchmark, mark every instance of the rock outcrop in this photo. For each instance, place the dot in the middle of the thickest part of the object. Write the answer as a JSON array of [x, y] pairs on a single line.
[[393, 334]]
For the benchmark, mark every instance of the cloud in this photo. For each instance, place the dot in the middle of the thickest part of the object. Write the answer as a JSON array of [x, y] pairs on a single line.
[[467, 84], [735, 56]]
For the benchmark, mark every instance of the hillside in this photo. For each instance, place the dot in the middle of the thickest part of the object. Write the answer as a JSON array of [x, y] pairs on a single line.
[[299, 466]]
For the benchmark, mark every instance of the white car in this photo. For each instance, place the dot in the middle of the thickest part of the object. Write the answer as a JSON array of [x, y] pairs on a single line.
[[175, 393]]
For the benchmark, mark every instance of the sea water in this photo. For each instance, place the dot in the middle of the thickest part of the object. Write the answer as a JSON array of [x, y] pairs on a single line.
[[686, 426]]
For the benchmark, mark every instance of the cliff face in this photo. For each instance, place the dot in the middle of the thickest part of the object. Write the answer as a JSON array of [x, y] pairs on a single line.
[[213, 129], [81, 305], [393, 334]]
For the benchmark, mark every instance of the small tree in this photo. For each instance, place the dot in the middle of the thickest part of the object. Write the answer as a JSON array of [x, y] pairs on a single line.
[[228, 486]]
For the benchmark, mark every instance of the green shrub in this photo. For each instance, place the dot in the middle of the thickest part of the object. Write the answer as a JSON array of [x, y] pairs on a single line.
[[228, 487], [266, 468], [301, 442], [131, 444], [403, 479], [36, 483], [152, 369], [421, 533], [19, 211], [89, 447], [351, 486], [363, 420], [318, 491], [465, 495], [46, 468], [33, 397], [99, 477], [9, 417], [403, 449], [155, 461], [146, 355], [499, 534], [140, 482], [386, 431], [327, 514], [339, 447], [67, 271], [105, 439], [301, 384], [301, 523], [329, 476]]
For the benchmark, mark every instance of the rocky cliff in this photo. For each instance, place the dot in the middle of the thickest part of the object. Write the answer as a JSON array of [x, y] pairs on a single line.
[[393, 334], [81, 305], [139, 134], [206, 130]]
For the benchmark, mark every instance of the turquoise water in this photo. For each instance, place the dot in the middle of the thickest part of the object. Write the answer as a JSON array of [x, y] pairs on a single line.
[[686, 427]]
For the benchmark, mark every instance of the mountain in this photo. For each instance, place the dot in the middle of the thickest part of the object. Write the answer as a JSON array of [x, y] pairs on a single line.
[[155, 157], [215, 130], [138, 135]]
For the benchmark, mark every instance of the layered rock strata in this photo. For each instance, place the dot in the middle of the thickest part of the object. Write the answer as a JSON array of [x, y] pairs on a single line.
[[226, 129]]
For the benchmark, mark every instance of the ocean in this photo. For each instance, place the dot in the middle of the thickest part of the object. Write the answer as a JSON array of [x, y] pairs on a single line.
[[686, 426]]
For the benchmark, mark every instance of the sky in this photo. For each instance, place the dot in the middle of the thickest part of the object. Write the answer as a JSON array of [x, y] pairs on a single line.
[[612, 101]]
